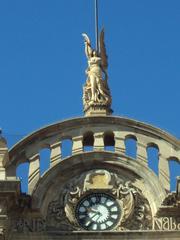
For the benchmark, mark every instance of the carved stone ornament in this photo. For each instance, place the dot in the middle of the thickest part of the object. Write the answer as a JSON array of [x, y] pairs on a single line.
[[134, 210], [171, 200], [56, 216], [96, 93]]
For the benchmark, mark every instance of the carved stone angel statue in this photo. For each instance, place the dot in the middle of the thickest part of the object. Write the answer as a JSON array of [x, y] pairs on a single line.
[[96, 90]]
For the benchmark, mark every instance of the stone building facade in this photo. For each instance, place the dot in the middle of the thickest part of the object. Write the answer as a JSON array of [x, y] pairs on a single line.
[[98, 191], [95, 194]]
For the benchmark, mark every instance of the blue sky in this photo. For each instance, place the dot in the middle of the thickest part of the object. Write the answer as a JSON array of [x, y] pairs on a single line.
[[42, 61]]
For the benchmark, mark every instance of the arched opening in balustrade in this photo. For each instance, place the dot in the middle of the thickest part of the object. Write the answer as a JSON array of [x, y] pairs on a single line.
[[44, 160], [66, 147], [131, 146], [22, 172], [109, 142], [153, 157], [88, 141], [174, 168]]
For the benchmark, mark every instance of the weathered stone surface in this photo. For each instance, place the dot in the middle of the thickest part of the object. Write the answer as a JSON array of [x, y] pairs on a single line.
[[144, 198], [153, 235]]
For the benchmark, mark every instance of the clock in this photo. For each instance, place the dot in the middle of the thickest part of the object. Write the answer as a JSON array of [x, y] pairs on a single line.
[[98, 212]]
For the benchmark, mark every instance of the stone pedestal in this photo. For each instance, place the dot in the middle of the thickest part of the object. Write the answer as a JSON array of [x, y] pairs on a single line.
[[98, 110]]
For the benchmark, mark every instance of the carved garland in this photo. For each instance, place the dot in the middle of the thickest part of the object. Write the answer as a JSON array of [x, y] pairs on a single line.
[[136, 212]]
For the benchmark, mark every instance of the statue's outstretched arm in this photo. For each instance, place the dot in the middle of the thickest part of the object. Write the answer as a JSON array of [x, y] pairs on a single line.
[[88, 49]]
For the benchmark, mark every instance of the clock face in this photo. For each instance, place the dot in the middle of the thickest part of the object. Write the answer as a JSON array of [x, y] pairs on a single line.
[[98, 212]]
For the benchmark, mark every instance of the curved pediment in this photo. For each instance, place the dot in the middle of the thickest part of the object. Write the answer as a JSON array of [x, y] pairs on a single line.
[[97, 132], [98, 186], [98, 168], [65, 129], [49, 187]]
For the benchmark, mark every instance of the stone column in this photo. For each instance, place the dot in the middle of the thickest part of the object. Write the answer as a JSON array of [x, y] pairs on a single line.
[[34, 171], [164, 175], [119, 143], [4, 157], [3, 152], [99, 141], [142, 153], [3, 217], [55, 156], [178, 188], [77, 144]]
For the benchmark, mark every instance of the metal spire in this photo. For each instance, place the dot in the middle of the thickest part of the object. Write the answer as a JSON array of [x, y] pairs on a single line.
[[96, 26]]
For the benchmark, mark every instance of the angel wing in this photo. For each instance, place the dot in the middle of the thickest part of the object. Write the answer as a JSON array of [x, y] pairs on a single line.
[[102, 47], [88, 48]]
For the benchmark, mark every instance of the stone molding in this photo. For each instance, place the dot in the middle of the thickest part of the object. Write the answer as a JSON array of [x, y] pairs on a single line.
[[90, 160], [75, 123]]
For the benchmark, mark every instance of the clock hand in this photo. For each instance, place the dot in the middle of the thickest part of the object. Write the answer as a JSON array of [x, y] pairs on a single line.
[[94, 210], [95, 217], [92, 214], [100, 215], [90, 209]]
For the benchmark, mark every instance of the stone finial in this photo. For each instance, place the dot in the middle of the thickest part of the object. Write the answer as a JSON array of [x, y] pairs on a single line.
[[96, 93]]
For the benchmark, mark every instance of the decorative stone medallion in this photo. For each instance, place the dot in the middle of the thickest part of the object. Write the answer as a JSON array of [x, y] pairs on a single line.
[[99, 200]]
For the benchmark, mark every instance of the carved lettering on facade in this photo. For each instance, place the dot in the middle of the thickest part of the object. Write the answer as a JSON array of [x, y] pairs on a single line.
[[166, 223], [30, 225]]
